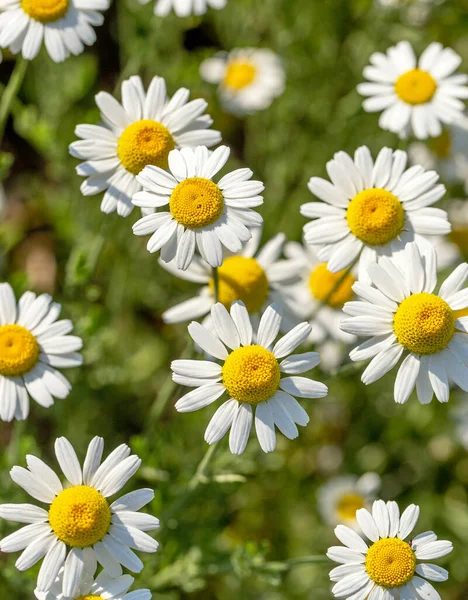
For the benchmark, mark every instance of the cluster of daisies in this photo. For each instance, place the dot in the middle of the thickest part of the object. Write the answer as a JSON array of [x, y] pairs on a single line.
[[367, 268]]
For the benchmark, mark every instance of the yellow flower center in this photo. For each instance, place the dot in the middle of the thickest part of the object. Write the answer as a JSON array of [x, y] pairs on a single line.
[[424, 323], [242, 278], [89, 597], [45, 11], [348, 505], [251, 374], [80, 516], [144, 143], [459, 236], [19, 350], [375, 216], [390, 562], [239, 74], [442, 145], [196, 202], [322, 282], [415, 86]]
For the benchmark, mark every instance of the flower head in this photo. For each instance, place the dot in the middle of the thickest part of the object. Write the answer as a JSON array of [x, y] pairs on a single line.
[[139, 132], [415, 96], [79, 526], [65, 26], [404, 316], [251, 375], [371, 209], [32, 344], [199, 213], [249, 78], [389, 567], [185, 8], [255, 276]]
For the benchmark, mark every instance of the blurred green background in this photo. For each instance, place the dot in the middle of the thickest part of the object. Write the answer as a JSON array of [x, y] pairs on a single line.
[[226, 541]]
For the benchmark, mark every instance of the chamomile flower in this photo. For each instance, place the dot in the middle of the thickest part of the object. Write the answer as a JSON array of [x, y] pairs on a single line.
[[250, 374], [65, 26], [340, 498], [447, 154], [185, 8], [389, 568], [415, 96], [249, 79], [303, 300], [372, 209], [139, 132], [79, 525], [33, 344], [403, 316], [253, 276], [197, 212], [103, 587]]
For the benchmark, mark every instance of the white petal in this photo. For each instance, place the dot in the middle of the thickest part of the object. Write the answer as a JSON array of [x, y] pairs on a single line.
[[408, 521], [68, 461]]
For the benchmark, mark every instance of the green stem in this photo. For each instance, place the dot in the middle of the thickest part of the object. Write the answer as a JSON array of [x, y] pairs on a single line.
[[11, 92], [200, 477], [216, 284]]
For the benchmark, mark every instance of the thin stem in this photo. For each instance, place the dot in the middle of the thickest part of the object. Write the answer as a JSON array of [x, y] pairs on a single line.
[[216, 284], [200, 477], [11, 92]]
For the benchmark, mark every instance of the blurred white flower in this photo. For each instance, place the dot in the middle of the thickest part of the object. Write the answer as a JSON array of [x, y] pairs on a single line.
[[253, 276], [446, 154], [139, 132], [401, 315], [249, 78], [185, 8], [387, 569], [372, 209], [416, 97], [340, 498], [251, 376], [32, 344], [65, 26], [197, 212], [80, 527], [415, 12], [302, 302]]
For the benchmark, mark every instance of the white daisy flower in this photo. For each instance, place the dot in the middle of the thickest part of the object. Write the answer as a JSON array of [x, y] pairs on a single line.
[[139, 132], [65, 26], [387, 569], [447, 154], [340, 498], [185, 8], [415, 96], [32, 344], [304, 302], [249, 78], [372, 209], [103, 587], [253, 276], [251, 376], [403, 316], [199, 212], [79, 522]]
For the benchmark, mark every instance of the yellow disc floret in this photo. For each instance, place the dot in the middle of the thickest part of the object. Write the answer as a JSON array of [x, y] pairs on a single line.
[[144, 143], [251, 374], [424, 323], [442, 145], [375, 216], [19, 350], [348, 504], [80, 516], [415, 86], [390, 562], [322, 282], [242, 278], [239, 74], [89, 597], [196, 202], [45, 11]]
